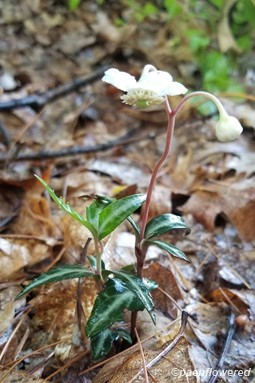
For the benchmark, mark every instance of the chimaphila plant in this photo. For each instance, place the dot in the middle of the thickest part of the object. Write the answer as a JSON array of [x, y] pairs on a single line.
[[126, 288]]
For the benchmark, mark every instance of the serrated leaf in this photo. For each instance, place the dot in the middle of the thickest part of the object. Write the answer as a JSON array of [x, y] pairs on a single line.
[[101, 343], [163, 224], [141, 288], [109, 305], [67, 208], [171, 249], [93, 211], [116, 212], [57, 274]]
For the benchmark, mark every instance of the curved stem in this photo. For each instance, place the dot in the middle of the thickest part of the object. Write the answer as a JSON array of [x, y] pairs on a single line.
[[170, 129], [203, 94]]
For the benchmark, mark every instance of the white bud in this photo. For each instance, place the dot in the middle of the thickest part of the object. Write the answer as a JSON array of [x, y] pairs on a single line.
[[228, 128]]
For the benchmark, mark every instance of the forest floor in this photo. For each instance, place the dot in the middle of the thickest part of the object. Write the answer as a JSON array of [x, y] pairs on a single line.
[[87, 142]]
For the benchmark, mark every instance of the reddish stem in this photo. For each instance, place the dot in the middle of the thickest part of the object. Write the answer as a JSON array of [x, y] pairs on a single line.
[[170, 128]]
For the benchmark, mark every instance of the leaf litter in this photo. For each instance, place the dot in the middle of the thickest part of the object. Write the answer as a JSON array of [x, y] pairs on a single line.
[[211, 184]]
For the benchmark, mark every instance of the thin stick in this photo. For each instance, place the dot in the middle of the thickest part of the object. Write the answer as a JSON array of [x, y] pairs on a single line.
[[143, 358], [69, 363], [12, 335], [37, 101], [230, 334], [166, 350], [114, 357], [77, 150]]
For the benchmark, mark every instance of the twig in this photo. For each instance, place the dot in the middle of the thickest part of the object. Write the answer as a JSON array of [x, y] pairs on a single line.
[[134, 347], [166, 350], [230, 334], [68, 364], [142, 355], [43, 155], [37, 101]]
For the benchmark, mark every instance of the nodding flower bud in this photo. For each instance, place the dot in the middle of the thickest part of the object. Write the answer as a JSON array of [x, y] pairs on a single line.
[[228, 128], [150, 89]]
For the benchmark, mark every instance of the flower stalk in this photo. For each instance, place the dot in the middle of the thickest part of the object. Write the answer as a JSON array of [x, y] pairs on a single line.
[[153, 88]]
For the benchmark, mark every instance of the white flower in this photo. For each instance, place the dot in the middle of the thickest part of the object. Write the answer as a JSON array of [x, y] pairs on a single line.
[[150, 89], [228, 128]]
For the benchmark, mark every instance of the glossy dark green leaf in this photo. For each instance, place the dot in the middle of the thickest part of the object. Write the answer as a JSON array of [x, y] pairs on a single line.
[[141, 288], [101, 343], [171, 249], [122, 334], [134, 225], [116, 212], [109, 305], [163, 224], [57, 274], [67, 208]]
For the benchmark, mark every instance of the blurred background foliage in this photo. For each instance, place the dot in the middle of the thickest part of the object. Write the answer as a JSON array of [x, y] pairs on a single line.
[[218, 35]]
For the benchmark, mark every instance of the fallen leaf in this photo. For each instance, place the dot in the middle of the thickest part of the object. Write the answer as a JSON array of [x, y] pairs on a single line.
[[225, 37], [236, 200], [167, 370]]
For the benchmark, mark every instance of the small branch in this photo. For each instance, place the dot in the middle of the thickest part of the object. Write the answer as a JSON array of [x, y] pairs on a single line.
[[78, 150], [143, 358], [37, 101], [166, 350], [230, 334]]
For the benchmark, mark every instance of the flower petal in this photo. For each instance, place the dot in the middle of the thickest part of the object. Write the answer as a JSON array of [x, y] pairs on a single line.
[[228, 128], [155, 80], [175, 89], [120, 80]]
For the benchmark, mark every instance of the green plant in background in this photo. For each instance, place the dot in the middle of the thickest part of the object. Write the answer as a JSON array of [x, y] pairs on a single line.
[[201, 26], [127, 288], [73, 4]]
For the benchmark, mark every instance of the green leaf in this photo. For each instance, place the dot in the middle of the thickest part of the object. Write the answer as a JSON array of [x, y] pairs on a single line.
[[134, 225], [67, 208], [109, 305], [93, 262], [163, 224], [123, 334], [116, 212], [57, 274], [141, 288], [171, 249], [73, 4], [93, 211], [101, 343]]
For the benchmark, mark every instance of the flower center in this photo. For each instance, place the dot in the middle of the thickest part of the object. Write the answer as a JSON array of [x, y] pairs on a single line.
[[141, 97]]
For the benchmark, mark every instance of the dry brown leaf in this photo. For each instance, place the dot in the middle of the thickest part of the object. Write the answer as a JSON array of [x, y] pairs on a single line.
[[227, 296], [225, 37], [235, 200], [211, 319], [166, 282], [16, 254], [55, 315], [123, 369], [13, 376]]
